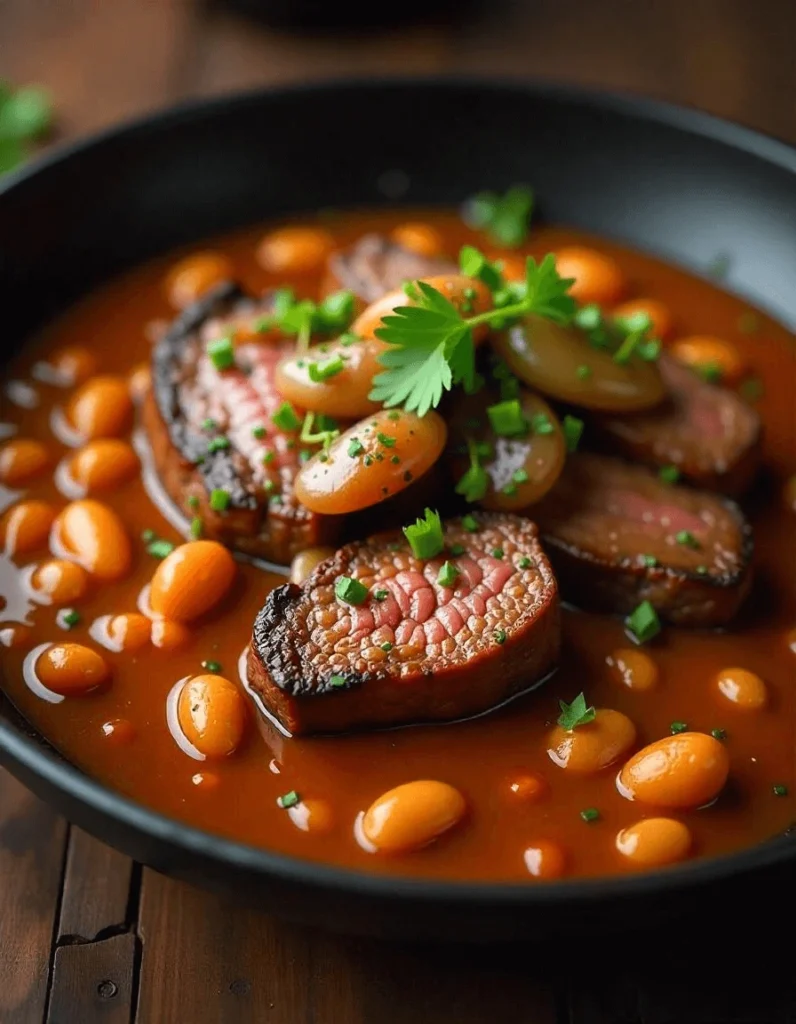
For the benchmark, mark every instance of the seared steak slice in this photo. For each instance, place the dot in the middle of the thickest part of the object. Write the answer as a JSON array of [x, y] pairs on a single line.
[[618, 535], [374, 265], [708, 432], [414, 650], [211, 429]]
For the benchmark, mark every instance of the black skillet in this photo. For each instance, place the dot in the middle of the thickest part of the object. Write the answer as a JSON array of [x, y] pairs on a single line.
[[673, 182]]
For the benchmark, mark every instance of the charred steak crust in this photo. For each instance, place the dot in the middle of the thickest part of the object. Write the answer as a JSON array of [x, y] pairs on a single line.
[[319, 665], [375, 265], [706, 431], [191, 469], [698, 587]]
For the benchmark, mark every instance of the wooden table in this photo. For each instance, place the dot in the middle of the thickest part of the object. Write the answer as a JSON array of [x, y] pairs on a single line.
[[85, 934]]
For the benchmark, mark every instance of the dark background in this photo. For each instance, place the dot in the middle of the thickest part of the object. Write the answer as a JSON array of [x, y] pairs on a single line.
[[87, 936]]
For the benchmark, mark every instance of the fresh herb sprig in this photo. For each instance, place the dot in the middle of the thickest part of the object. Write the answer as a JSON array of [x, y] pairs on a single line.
[[303, 317], [505, 218], [575, 714], [432, 345]]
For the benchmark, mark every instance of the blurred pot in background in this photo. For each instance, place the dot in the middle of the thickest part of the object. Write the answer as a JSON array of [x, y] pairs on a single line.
[[349, 14]]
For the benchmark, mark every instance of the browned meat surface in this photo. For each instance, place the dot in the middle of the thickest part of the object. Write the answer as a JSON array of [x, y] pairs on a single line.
[[374, 265], [708, 432], [413, 650], [617, 535], [211, 429]]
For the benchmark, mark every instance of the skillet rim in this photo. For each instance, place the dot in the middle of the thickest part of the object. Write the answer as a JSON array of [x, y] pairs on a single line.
[[34, 755]]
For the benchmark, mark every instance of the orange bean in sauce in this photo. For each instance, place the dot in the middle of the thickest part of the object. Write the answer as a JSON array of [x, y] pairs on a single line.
[[412, 815], [71, 670], [212, 715], [685, 770], [25, 527], [191, 580], [94, 536], [295, 250], [654, 842], [60, 582], [598, 278], [742, 688], [103, 464], [634, 669], [419, 237], [22, 460], [196, 275], [594, 745], [546, 859]]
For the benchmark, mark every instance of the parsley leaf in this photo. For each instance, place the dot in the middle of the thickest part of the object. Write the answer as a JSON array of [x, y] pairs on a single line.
[[575, 714], [432, 343]]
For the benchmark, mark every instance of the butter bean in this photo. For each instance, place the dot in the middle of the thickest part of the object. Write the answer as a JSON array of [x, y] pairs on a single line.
[[412, 815], [191, 580], [96, 538], [212, 714], [685, 770], [71, 669]]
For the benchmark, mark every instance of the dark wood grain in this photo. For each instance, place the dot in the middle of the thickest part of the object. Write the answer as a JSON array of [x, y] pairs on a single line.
[[200, 960], [94, 981], [96, 890], [32, 839], [285, 975]]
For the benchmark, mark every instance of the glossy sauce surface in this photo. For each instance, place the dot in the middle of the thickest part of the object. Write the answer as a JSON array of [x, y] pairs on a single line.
[[508, 828]]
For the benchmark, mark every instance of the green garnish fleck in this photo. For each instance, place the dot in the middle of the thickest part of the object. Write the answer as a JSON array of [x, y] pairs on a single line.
[[336, 680], [470, 523], [702, 570], [147, 536], [718, 734], [710, 372], [320, 372], [425, 535], [219, 499], [474, 482], [590, 814], [505, 218], [386, 646], [650, 561], [779, 789], [355, 447], [583, 372], [669, 474], [524, 562], [506, 418], [269, 457], [575, 714], [678, 727], [380, 595], [221, 353], [259, 431], [69, 618], [209, 424], [540, 424], [497, 552], [196, 528], [687, 539], [643, 623], [573, 431], [386, 440], [160, 548], [288, 800], [211, 666], [457, 549], [192, 501], [351, 591], [218, 444], [447, 575], [500, 636], [285, 417]]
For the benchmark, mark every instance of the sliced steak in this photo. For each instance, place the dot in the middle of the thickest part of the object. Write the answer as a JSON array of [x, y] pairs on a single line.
[[211, 429], [708, 432], [618, 535], [423, 652], [374, 265]]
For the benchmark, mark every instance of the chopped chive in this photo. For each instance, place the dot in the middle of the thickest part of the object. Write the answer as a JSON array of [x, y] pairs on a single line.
[[218, 444], [509, 490], [386, 440], [687, 539], [583, 372], [457, 549], [269, 486], [470, 523], [211, 666], [288, 800], [160, 548], [336, 680], [394, 414], [192, 501], [275, 499], [669, 474], [718, 734], [285, 418], [520, 476], [497, 552], [500, 636], [524, 562], [208, 424], [259, 431], [219, 499], [381, 594], [677, 727], [147, 536], [386, 646], [320, 372], [573, 430], [269, 457], [355, 447], [590, 814], [368, 460], [395, 460], [221, 353], [643, 623], [425, 535], [507, 419], [351, 591], [779, 789], [447, 575], [650, 561], [196, 528]]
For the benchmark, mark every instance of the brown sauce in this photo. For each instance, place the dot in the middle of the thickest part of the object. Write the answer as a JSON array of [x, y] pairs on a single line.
[[483, 758]]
